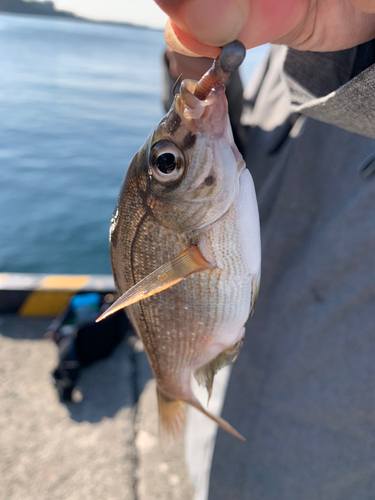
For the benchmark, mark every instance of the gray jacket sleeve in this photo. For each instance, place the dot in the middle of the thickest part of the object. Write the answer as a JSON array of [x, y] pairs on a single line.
[[334, 87]]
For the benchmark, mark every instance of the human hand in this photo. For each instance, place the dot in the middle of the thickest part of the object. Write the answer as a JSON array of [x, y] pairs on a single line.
[[189, 67], [200, 27]]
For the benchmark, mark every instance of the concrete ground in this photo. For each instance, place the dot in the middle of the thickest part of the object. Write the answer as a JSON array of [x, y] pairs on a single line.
[[104, 447]]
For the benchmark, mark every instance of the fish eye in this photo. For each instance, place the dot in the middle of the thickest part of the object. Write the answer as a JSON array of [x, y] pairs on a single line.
[[167, 162]]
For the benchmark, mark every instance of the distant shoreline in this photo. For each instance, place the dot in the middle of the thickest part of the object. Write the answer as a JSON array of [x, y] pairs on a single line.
[[52, 13]]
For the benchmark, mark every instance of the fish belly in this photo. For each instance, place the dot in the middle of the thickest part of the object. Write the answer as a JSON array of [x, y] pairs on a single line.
[[233, 244]]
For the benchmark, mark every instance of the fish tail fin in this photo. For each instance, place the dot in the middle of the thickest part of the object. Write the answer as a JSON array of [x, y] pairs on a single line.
[[171, 419], [220, 421]]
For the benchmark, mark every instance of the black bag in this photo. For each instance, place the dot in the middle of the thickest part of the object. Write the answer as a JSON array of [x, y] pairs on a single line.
[[80, 340]]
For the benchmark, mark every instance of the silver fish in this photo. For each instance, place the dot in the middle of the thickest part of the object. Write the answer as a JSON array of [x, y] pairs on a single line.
[[185, 248]]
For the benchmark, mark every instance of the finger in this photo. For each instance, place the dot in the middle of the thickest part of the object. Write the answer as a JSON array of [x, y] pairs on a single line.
[[197, 25], [215, 22], [181, 42], [189, 67], [211, 22], [364, 5]]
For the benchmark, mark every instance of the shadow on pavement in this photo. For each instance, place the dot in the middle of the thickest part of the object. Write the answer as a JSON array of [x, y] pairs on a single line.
[[107, 385], [110, 384]]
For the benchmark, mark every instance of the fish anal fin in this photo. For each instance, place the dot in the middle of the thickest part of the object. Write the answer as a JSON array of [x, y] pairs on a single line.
[[220, 421], [171, 419], [205, 375], [188, 262]]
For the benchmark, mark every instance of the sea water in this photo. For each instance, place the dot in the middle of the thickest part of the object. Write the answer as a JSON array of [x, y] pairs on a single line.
[[77, 100]]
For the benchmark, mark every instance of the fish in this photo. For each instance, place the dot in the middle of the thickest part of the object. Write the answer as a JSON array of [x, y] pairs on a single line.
[[185, 248]]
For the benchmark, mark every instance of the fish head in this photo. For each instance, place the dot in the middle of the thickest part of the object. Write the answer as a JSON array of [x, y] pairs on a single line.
[[191, 163]]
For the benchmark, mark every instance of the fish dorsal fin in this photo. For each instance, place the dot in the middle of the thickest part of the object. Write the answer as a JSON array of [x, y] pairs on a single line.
[[187, 262], [205, 375]]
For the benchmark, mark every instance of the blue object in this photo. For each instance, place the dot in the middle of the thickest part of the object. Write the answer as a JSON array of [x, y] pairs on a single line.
[[85, 304]]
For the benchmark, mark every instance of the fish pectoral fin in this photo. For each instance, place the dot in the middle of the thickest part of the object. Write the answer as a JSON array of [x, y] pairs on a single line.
[[187, 262], [220, 421], [171, 419], [205, 375]]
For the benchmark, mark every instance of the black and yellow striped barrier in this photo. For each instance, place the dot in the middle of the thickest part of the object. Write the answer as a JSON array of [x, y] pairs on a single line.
[[46, 295]]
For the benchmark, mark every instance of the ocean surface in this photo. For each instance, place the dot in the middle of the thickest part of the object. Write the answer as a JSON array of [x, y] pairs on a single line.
[[77, 100]]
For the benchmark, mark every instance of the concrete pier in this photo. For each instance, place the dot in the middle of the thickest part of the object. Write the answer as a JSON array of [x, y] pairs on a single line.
[[105, 447]]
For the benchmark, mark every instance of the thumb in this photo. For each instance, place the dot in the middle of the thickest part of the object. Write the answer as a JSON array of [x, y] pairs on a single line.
[[199, 27], [209, 22], [364, 5]]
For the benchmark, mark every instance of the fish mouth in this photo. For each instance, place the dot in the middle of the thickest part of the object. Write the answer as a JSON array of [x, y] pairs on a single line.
[[206, 114], [193, 108]]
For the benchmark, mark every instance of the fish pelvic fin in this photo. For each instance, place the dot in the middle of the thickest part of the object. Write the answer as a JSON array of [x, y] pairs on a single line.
[[205, 375], [188, 262], [220, 421], [171, 419]]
